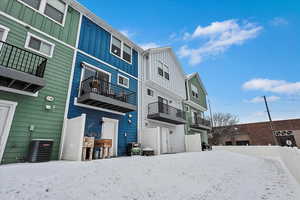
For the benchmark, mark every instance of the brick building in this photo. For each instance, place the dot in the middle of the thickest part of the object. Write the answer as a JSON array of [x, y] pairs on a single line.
[[260, 133]]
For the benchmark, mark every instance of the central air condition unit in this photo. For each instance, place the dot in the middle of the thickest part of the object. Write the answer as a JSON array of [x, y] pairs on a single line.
[[40, 150]]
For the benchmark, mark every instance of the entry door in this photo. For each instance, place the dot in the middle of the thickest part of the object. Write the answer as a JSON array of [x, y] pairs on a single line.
[[110, 131], [7, 110], [165, 140]]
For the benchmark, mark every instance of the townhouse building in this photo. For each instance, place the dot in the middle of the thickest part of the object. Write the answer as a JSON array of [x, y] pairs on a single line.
[[37, 41], [195, 105], [103, 98], [162, 93], [66, 74]]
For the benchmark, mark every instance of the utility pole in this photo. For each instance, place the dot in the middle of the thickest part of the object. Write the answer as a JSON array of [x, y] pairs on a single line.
[[211, 120], [271, 122], [211, 117]]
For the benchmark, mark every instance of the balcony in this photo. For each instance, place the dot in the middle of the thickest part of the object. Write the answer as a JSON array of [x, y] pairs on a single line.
[[21, 69], [200, 123], [165, 113], [99, 93]]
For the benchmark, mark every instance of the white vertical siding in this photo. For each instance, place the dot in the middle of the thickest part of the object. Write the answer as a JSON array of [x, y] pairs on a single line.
[[164, 88], [177, 80]]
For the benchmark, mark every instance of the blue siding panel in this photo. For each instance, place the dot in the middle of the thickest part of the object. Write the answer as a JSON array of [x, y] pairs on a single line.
[[95, 41], [93, 125]]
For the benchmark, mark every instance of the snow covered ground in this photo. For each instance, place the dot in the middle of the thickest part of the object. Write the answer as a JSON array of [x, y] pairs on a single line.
[[216, 175]]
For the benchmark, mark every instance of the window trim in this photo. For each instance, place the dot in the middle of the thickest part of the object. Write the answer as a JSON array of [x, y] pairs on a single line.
[[120, 75], [5, 34], [122, 45], [162, 75], [29, 35], [87, 65], [151, 91], [196, 92], [163, 66], [42, 8]]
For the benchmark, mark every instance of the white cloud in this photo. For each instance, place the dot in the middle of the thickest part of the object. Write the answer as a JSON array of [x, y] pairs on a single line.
[[261, 99], [278, 21], [220, 36], [149, 45], [127, 33], [275, 86]]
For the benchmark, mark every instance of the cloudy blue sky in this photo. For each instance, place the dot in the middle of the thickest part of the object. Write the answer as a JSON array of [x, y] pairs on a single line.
[[241, 49]]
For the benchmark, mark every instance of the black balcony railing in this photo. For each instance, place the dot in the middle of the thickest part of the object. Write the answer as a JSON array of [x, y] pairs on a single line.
[[22, 60], [98, 86], [198, 120], [159, 107]]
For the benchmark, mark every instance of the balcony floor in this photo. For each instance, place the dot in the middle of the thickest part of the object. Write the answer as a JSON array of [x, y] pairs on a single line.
[[166, 118], [22, 81], [105, 102]]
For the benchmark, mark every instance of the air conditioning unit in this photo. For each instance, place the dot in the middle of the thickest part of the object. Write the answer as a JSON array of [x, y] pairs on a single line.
[[40, 150]]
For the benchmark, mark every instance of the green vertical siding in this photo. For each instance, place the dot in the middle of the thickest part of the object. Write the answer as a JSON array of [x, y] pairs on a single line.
[[66, 33], [201, 100], [187, 127], [31, 110], [202, 96]]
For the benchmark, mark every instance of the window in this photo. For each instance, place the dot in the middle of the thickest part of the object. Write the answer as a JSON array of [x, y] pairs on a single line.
[[89, 72], [160, 71], [54, 9], [150, 92], [194, 91], [167, 75], [3, 33], [187, 108], [163, 70], [127, 53], [116, 46], [33, 3], [39, 45], [120, 49], [123, 81]]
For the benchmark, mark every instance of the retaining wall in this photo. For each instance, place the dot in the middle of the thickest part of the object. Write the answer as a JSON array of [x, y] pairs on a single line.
[[289, 156]]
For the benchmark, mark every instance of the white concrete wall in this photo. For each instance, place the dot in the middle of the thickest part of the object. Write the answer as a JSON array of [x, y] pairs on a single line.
[[289, 156], [193, 143]]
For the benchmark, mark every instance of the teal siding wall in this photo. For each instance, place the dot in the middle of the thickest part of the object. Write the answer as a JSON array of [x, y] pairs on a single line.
[[202, 96], [66, 33], [31, 110]]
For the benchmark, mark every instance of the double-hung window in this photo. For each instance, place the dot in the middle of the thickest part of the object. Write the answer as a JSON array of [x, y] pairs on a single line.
[[54, 9], [127, 53], [150, 92], [120, 49], [160, 70], [166, 72], [163, 70], [194, 91], [39, 45], [116, 46], [33, 3], [3, 33], [123, 81]]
